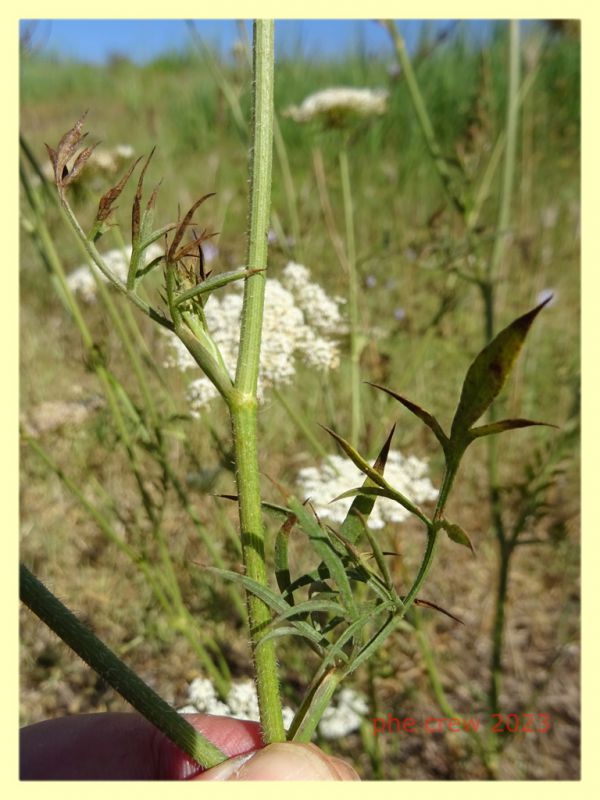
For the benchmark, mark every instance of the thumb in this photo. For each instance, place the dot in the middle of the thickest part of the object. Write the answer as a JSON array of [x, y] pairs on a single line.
[[288, 761]]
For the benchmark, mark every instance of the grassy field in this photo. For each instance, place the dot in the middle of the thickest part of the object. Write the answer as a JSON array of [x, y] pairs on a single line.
[[422, 323]]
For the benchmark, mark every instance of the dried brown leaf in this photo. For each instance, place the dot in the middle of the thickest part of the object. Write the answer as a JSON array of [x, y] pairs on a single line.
[[107, 200]]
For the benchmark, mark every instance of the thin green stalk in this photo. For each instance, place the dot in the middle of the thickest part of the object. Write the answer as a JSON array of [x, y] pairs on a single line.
[[432, 539], [168, 580], [288, 188], [420, 108], [509, 169], [494, 264], [440, 695], [242, 400], [506, 552], [355, 338], [101, 659]]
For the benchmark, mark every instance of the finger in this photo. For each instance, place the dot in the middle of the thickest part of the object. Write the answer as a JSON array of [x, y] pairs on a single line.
[[121, 747], [283, 762]]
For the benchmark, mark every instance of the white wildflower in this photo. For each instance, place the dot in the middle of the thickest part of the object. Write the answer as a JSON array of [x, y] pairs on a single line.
[[334, 104], [345, 717], [300, 321], [203, 697], [320, 311], [242, 701], [336, 475], [82, 282]]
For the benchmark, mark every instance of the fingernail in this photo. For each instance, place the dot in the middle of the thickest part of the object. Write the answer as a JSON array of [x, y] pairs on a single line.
[[228, 769], [285, 762]]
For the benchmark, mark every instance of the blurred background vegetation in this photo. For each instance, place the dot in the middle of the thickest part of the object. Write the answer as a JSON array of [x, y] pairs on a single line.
[[423, 324]]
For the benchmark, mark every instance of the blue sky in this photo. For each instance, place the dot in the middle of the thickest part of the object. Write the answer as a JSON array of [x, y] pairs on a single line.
[[95, 40]]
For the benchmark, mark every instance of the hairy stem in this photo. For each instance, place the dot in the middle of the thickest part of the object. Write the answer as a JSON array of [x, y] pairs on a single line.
[[95, 653], [242, 400]]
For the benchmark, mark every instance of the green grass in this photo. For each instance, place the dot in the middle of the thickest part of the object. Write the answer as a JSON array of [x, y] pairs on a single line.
[[174, 104]]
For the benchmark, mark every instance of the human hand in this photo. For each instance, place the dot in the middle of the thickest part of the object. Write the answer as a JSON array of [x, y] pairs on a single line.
[[115, 746]]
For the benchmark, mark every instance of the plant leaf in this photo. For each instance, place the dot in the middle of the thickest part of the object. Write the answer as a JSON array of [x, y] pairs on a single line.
[[489, 371], [428, 604], [423, 415], [182, 226], [457, 534], [378, 479], [282, 569], [327, 552], [505, 425], [137, 201], [352, 527]]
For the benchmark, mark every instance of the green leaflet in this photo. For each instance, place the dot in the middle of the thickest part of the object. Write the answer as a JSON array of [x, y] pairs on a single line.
[[457, 534], [489, 371], [352, 526]]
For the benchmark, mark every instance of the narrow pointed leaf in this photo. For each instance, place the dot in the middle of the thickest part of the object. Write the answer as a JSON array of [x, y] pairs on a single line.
[[457, 534], [309, 607], [314, 637], [378, 479], [216, 282], [423, 415], [505, 425], [373, 645], [79, 164], [282, 569], [66, 149], [105, 206], [268, 596], [183, 224], [137, 202], [428, 604], [327, 552], [336, 649], [488, 372], [352, 526]]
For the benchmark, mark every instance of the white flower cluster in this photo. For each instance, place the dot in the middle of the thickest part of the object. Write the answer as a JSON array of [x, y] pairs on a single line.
[[336, 475], [345, 717], [338, 102], [83, 283], [242, 701], [300, 321]]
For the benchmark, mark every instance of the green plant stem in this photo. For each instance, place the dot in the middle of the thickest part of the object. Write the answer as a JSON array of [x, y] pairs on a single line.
[[355, 338], [420, 108], [488, 290], [432, 537], [95, 653], [440, 695], [506, 552], [242, 400]]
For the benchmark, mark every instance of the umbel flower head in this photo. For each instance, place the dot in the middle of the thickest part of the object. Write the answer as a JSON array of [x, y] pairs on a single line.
[[335, 475], [300, 322], [337, 105], [241, 701]]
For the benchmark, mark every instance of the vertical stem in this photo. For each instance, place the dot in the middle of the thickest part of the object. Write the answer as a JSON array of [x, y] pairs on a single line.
[[498, 629], [242, 401], [508, 176], [355, 339]]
